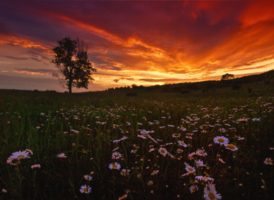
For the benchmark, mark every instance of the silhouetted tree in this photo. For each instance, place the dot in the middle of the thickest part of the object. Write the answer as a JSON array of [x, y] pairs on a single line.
[[227, 77], [71, 59]]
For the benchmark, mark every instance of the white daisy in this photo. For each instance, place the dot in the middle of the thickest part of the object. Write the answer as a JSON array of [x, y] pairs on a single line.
[[201, 153], [204, 178], [221, 140], [189, 168], [116, 155], [20, 155], [36, 166], [114, 166], [85, 189], [222, 130], [182, 143], [210, 192], [133, 151], [193, 188], [179, 150], [231, 147], [268, 161], [163, 151], [200, 163], [155, 172], [88, 177], [61, 155], [125, 172]]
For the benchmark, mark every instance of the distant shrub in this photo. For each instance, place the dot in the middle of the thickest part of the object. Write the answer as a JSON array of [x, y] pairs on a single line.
[[35, 90]]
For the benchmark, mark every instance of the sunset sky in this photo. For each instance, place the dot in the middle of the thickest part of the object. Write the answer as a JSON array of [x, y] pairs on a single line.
[[136, 42]]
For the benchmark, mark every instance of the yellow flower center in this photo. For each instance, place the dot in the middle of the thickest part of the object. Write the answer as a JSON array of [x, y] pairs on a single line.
[[182, 143], [85, 189], [21, 156], [221, 140], [231, 146], [193, 189], [204, 178], [114, 166], [201, 152], [190, 169], [163, 151], [211, 195]]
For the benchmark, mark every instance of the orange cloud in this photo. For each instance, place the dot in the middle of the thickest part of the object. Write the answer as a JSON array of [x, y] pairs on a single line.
[[26, 72], [51, 72], [25, 43]]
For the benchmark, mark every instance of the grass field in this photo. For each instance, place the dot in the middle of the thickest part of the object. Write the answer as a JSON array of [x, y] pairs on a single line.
[[153, 145]]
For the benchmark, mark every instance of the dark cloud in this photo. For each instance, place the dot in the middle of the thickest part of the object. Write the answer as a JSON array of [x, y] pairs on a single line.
[[15, 58], [39, 55], [126, 78], [116, 80]]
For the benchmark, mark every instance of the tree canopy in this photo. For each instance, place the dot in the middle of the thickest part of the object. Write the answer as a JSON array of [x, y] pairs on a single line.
[[71, 59]]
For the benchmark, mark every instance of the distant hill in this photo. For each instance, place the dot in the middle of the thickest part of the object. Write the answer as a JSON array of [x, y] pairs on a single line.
[[236, 83]]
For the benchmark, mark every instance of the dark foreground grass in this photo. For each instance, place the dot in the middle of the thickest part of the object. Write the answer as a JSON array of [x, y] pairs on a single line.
[[88, 128]]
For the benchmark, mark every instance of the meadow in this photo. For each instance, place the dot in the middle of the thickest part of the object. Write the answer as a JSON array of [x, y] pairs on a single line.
[[151, 145]]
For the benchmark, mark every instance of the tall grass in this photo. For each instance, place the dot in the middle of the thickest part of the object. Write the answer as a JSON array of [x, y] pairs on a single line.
[[87, 127]]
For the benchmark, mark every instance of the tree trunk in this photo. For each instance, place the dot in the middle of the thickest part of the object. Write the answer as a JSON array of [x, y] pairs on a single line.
[[70, 88], [70, 80]]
